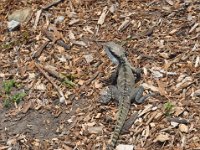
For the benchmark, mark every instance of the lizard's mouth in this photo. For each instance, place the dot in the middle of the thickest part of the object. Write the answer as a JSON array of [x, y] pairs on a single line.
[[113, 57]]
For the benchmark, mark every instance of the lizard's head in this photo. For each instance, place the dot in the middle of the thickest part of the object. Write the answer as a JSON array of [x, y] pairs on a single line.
[[114, 51]]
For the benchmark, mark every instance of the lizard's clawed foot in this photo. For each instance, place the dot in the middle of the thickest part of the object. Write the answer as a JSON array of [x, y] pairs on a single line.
[[105, 95], [108, 93]]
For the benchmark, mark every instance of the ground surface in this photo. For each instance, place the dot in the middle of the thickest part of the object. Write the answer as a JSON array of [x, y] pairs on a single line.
[[162, 37]]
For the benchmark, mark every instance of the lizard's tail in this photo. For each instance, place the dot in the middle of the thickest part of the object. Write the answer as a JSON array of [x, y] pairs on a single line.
[[122, 114]]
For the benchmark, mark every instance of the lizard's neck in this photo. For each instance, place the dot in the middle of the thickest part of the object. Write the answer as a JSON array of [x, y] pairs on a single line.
[[122, 60]]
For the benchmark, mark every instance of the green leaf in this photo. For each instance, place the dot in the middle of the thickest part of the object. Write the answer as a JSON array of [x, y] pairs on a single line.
[[7, 85], [168, 108], [18, 97], [6, 103], [69, 83]]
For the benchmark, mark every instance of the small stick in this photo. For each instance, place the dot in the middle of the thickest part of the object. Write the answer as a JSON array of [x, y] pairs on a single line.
[[178, 120], [92, 79], [62, 97], [40, 49], [58, 75], [38, 14], [51, 4]]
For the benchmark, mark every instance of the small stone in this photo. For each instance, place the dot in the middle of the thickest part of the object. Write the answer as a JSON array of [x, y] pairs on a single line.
[[13, 25], [21, 15], [185, 114], [89, 58], [152, 124], [183, 128], [124, 147], [62, 99], [59, 19], [174, 124]]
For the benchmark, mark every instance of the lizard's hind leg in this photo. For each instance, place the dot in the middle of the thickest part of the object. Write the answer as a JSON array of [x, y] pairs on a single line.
[[137, 95], [108, 93]]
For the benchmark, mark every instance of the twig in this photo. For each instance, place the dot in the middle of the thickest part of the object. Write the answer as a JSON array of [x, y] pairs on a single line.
[[178, 120], [50, 36], [62, 97], [38, 14], [40, 49], [92, 79], [51, 4], [58, 76]]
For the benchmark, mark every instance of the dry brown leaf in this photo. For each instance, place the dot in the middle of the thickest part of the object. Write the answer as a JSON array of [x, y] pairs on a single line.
[[26, 106], [183, 128], [162, 137], [170, 2], [97, 84], [161, 87], [178, 111]]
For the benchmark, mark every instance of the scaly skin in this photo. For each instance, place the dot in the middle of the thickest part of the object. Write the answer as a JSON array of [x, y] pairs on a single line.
[[124, 85], [124, 91]]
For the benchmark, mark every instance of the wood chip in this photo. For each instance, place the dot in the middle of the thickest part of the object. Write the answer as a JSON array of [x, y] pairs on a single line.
[[183, 128], [162, 137], [103, 16], [124, 24]]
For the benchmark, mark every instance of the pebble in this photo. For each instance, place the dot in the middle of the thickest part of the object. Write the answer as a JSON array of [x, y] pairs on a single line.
[[124, 147], [59, 19], [13, 25]]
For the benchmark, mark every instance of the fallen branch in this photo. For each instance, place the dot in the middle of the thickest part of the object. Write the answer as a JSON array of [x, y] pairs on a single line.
[[59, 76], [62, 97]]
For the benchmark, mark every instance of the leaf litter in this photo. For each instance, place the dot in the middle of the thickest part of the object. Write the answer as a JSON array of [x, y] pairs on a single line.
[[159, 36]]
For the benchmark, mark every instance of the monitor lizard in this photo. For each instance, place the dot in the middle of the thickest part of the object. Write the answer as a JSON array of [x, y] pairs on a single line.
[[124, 91]]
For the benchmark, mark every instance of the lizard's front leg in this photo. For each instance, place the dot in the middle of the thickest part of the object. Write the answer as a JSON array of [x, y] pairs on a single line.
[[137, 95], [108, 93]]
